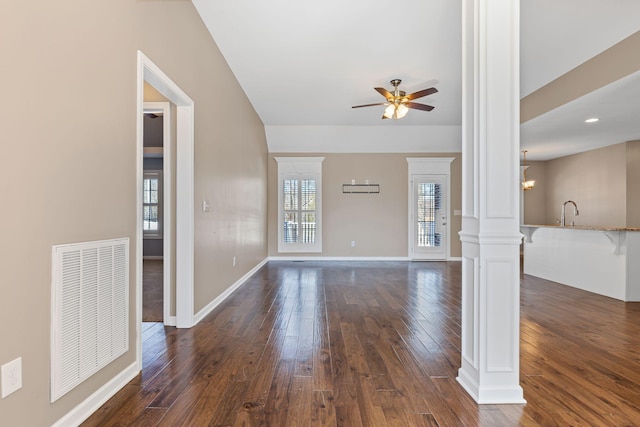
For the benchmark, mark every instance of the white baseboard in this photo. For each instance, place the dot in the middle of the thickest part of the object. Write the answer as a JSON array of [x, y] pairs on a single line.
[[364, 258], [220, 298], [170, 321], [322, 258], [91, 404]]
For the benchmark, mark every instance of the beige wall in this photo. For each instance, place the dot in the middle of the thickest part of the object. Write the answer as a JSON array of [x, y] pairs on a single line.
[[596, 180], [66, 177], [535, 200], [376, 222], [633, 184], [618, 61]]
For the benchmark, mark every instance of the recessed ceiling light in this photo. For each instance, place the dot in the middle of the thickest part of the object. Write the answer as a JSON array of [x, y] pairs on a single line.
[[592, 120]]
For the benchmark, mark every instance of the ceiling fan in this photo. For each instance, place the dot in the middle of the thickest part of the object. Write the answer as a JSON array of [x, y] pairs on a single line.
[[398, 102]]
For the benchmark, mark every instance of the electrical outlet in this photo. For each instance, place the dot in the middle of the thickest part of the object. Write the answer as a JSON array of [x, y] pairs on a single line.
[[11, 376], [353, 243]]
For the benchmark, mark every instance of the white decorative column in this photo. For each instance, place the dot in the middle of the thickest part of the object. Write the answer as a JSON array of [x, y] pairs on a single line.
[[490, 202]]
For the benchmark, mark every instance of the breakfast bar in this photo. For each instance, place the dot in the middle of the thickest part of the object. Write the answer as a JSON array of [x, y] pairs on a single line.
[[603, 260]]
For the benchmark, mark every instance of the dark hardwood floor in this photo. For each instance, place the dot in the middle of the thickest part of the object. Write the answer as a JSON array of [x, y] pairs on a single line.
[[152, 290], [377, 344]]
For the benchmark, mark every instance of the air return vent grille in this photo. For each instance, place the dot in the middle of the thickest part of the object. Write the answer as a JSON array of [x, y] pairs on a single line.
[[89, 310]]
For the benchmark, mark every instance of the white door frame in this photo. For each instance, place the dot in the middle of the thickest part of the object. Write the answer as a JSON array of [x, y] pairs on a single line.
[[148, 72], [167, 202], [429, 166]]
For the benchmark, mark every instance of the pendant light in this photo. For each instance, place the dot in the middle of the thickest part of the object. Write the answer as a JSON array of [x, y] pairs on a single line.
[[526, 185]]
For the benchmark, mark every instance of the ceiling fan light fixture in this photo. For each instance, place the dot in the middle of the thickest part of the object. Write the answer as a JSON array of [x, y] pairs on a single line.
[[401, 111], [398, 102], [389, 112]]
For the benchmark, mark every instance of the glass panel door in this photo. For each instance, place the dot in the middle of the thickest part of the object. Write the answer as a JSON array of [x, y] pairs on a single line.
[[429, 217]]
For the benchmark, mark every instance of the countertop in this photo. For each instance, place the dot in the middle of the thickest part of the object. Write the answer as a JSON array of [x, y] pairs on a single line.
[[582, 227]]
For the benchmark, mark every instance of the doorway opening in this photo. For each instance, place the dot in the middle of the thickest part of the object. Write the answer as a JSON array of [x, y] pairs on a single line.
[[157, 224], [181, 242]]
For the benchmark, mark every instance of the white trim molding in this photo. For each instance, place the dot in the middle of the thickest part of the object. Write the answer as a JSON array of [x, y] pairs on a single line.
[[80, 413], [298, 168], [227, 293], [336, 258], [432, 166]]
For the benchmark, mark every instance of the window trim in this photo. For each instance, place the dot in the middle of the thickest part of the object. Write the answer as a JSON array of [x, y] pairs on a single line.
[[299, 168], [154, 234]]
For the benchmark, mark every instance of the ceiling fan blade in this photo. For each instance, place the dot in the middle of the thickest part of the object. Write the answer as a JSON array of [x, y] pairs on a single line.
[[384, 117], [421, 93], [369, 105], [382, 91], [417, 106]]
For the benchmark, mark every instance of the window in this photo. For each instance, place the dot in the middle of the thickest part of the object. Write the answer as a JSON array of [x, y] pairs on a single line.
[[152, 204], [299, 204], [428, 204]]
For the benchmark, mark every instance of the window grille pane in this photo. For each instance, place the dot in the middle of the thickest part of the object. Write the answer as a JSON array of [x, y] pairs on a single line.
[[429, 202], [145, 191], [152, 200], [290, 194], [290, 227], [150, 220], [308, 194], [309, 227], [299, 205]]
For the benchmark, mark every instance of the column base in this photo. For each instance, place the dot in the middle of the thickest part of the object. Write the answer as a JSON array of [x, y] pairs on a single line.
[[490, 395]]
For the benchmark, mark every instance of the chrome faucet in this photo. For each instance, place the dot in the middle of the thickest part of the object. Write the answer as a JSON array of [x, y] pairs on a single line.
[[575, 211]]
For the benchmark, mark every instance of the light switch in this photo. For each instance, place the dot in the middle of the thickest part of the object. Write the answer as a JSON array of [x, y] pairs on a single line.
[[205, 206]]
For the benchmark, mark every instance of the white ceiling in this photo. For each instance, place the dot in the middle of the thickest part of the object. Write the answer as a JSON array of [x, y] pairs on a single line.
[[563, 131], [304, 64]]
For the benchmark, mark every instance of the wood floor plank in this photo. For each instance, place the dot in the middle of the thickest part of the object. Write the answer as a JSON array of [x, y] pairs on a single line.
[[306, 348], [323, 411], [378, 344], [263, 375], [301, 397], [344, 379], [396, 407], [322, 368], [365, 391], [278, 403]]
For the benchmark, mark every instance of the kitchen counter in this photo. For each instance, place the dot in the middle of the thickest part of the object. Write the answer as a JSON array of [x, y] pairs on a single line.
[[598, 259], [583, 227]]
